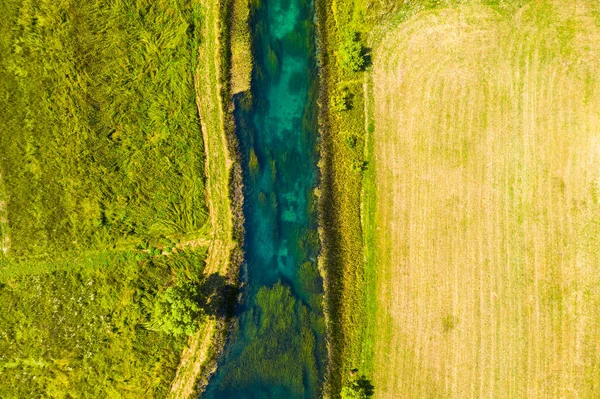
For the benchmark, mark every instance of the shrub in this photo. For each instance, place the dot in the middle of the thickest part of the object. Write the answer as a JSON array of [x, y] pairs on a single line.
[[371, 127], [358, 165], [351, 393], [340, 101], [177, 310], [350, 56], [360, 388], [351, 141]]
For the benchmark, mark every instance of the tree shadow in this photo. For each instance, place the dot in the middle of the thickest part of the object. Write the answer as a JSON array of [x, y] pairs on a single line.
[[367, 55], [217, 297], [365, 386], [350, 100]]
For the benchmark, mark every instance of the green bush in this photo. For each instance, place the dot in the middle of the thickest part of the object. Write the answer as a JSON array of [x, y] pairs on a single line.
[[351, 393], [358, 165], [350, 55], [358, 388], [340, 100], [351, 141], [177, 310]]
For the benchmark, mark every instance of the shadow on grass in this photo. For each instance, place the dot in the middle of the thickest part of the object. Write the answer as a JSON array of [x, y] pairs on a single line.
[[364, 385], [217, 296], [367, 57]]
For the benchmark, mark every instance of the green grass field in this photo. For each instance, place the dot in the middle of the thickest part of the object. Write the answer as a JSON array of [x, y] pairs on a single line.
[[486, 140], [80, 331], [102, 193], [95, 100]]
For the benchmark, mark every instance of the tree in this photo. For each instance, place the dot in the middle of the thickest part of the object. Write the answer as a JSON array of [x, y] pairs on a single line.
[[350, 56], [177, 310], [351, 141], [359, 165], [360, 388]]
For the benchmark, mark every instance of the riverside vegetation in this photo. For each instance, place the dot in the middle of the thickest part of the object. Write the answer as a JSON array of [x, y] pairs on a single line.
[[103, 219]]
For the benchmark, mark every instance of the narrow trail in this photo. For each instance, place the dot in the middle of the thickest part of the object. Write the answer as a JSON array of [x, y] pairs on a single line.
[[200, 346], [4, 238]]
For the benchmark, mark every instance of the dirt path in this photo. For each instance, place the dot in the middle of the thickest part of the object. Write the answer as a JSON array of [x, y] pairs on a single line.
[[4, 239], [197, 355]]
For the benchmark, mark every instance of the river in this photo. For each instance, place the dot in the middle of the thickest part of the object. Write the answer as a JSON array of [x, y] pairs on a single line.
[[277, 349]]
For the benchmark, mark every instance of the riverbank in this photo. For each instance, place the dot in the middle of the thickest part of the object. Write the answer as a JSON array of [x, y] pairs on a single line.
[[347, 201], [224, 20], [348, 192]]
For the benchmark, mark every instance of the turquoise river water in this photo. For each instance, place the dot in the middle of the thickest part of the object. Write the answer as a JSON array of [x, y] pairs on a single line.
[[277, 349]]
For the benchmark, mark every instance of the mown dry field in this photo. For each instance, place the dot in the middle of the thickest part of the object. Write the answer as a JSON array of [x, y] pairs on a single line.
[[488, 164]]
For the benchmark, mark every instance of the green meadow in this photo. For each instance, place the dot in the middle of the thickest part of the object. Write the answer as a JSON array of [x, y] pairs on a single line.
[[102, 198], [101, 142], [83, 330]]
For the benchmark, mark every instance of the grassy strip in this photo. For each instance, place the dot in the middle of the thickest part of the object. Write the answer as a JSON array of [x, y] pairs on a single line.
[[4, 237], [342, 258], [80, 329], [223, 186], [18, 267], [241, 48], [369, 228]]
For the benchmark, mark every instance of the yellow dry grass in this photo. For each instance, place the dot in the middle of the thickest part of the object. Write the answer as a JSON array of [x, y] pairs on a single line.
[[241, 49], [488, 216]]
